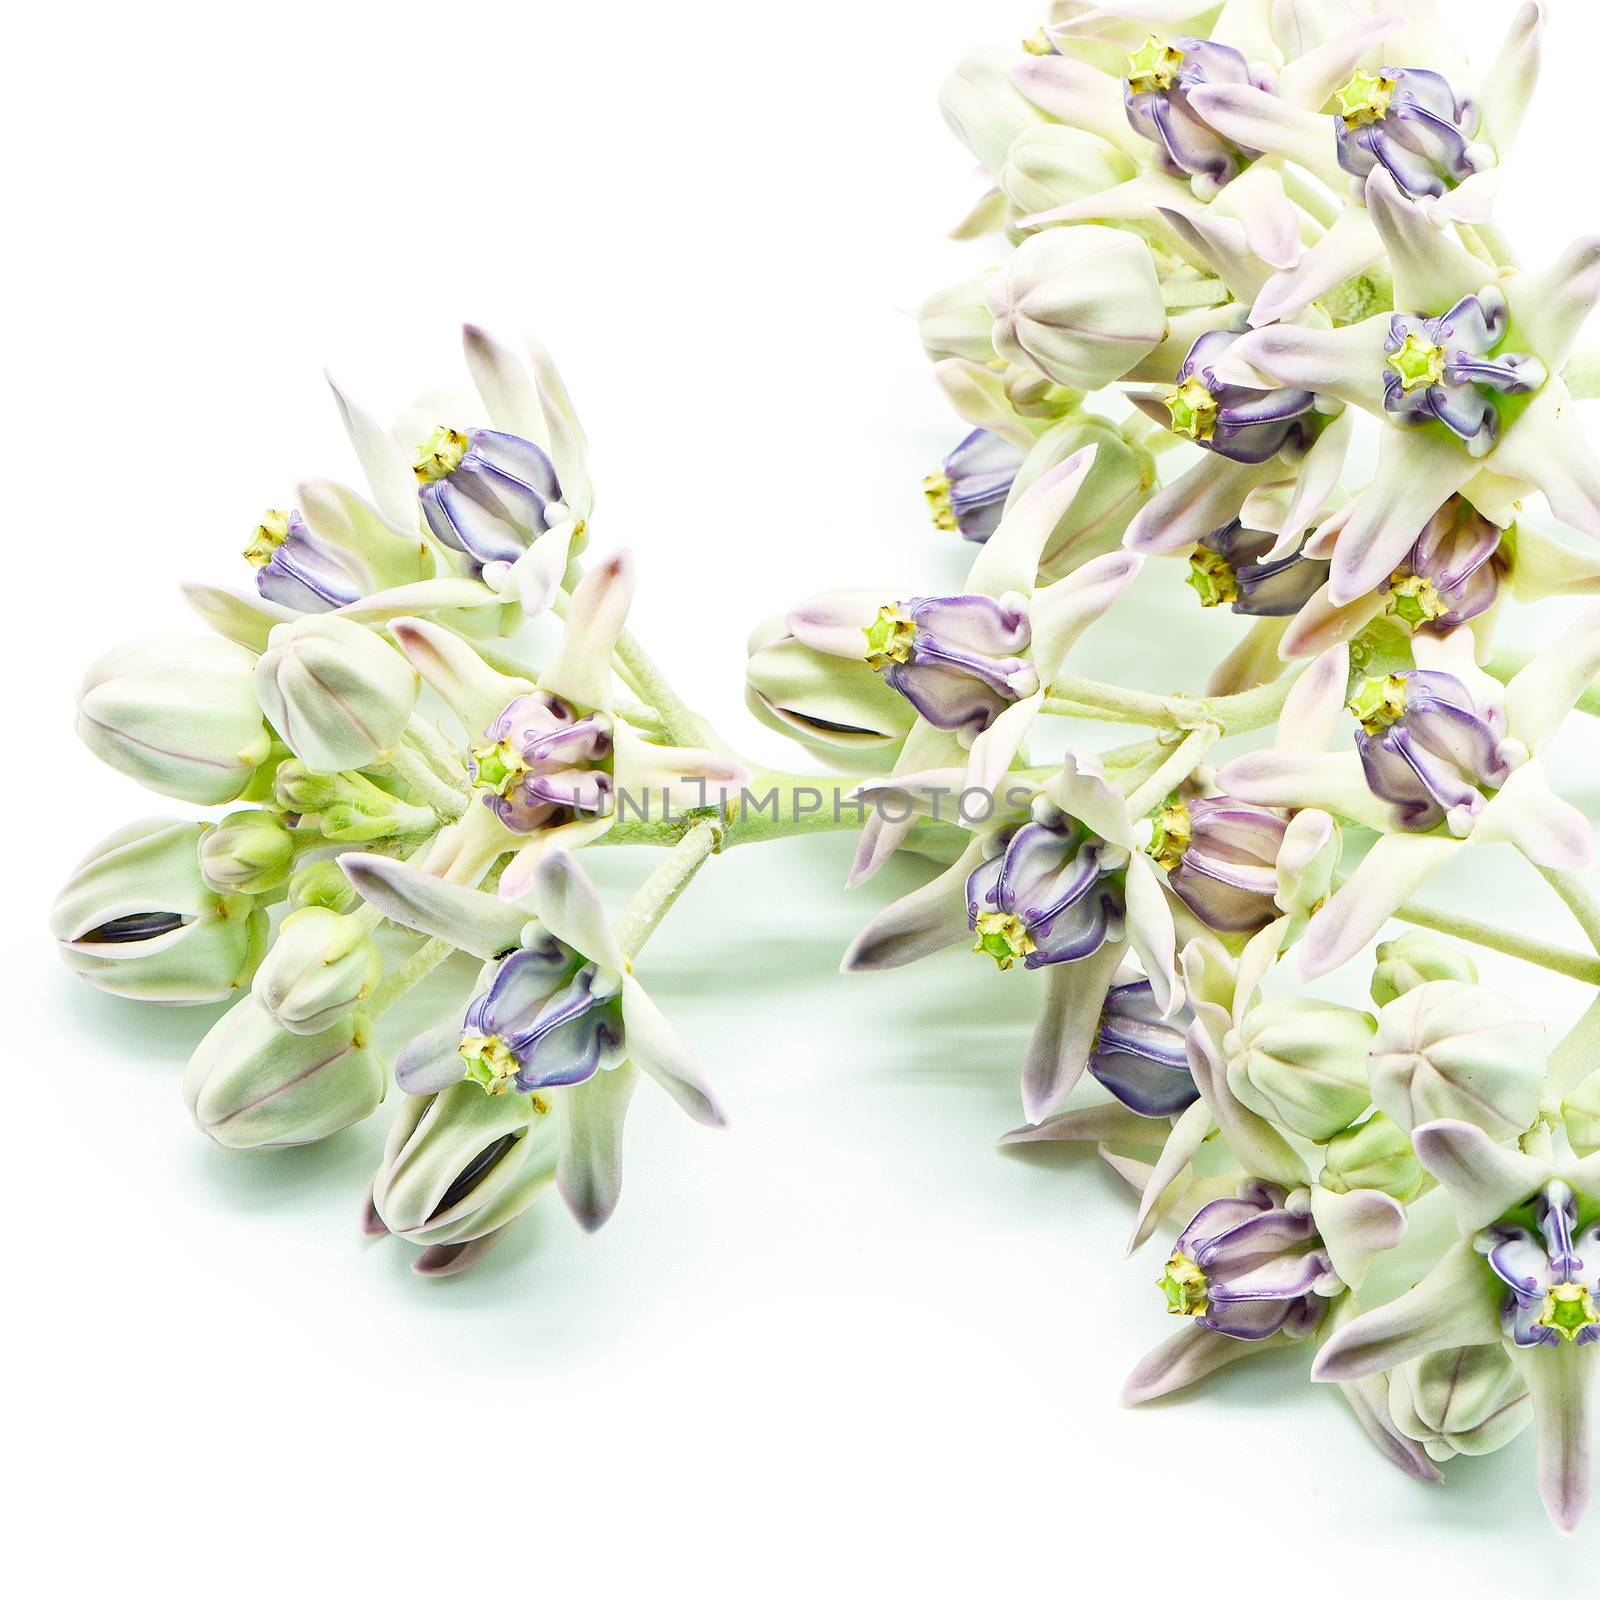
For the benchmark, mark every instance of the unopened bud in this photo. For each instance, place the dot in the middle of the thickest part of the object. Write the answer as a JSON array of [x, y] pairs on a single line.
[[1374, 1154], [137, 919], [319, 970], [248, 852], [177, 714], [322, 883], [1052, 165], [1461, 1051], [251, 1083], [983, 108], [336, 692], [1302, 1063], [345, 806], [1460, 1402], [1080, 304], [955, 323], [1417, 958], [461, 1164]]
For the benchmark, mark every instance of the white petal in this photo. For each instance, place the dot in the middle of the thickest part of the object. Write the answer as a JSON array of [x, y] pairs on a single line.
[[388, 473], [978, 396], [1060, 612], [928, 919], [1346, 363], [1550, 307], [1453, 1305], [1508, 85], [1561, 1383], [581, 670], [1271, 223], [482, 924], [1206, 497], [1350, 246], [1189, 1132], [1484, 1179], [1356, 1227], [1151, 933], [1394, 869], [1080, 789], [1315, 705], [1261, 121], [244, 618], [1549, 831], [1258, 1147], [1009, 561], [589, 1168], [1417, 472], [997, 746], [1074, 993], [1185, 1358], [1310, 80], [457, 673], [569, 908], [654, 1047], [502, 384], [1330, 782], [1432, 270]]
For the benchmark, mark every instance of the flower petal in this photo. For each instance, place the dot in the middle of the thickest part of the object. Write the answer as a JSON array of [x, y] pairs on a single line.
[[1315, 704], [383, 462], [1484, 1179], [1008, 563], [481, 924], [1394, 869], [1549, 831], [1189, 1132], [931, 918], [1453, 1305], [589, 1168], [1206, 497], [1561, 1383], [654, 1047], [1508, 85], [1074, 992], [431, 1062], [1350, 246], [581, 669], [1185, 1358], [1344, 363], [456, 672], [1355, 1227], [568, 907], [1260, 121]]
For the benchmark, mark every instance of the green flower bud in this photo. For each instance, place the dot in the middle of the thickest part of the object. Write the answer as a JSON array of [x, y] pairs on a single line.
[[137, 919], [461, 1164], [1053, 165], [1081, 305], [248, 852], [1375, 1154], [338, 694], [831, 703], [1302, 1064], [1581, 1114], [983, 108], [1416, 958], [322, 883], [1466, 1402], [955, 324], [251, 1083], [1447, 1049], [346, 806], [177, 714], [320, 968]]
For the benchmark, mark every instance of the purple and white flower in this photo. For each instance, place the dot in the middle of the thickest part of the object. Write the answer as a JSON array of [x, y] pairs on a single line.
[[1236, 567], [1412, 123], [1524, 1273], [1139, 1055], [1220, 855], [968, 494], [559, 1014]]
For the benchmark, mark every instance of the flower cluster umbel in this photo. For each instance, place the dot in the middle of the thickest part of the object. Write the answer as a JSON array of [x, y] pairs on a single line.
[[1222, 246]]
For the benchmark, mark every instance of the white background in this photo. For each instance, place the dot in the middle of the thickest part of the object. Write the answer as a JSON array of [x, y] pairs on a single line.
[[845, 1346]]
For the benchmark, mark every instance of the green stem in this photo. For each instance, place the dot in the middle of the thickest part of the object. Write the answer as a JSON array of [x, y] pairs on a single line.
[[1579, 899], [422, 961], [1570, 963], [412, 769], [1229, 713], [646, 679], [1573, 1059], [659, 892], [1173, 770], [1078, 697]]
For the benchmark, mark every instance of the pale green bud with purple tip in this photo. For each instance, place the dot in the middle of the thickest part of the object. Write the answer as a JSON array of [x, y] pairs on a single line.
[[1468, 1402], [1374, 1154], [339, 695], [1460, 1051], [1414, 959], [178, 715], [1302, 1064], [320, 969], [137, 919], [458, 1167], [252, 1083], [1080, 305], [248, 852]]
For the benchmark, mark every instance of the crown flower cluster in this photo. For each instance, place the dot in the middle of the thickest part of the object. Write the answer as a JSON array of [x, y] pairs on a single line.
[[1243, 345]]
